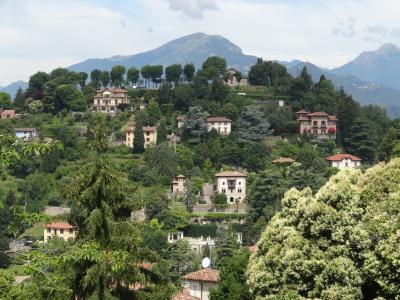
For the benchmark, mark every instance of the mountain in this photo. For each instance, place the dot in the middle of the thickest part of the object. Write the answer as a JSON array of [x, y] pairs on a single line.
[[193, 48], [365, 92], [380, 66], [12, 88]]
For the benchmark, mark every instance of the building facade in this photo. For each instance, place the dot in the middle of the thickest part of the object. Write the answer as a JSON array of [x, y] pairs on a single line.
[[149, 134], [319, 124], [26, 134], [107, 100], [61, 230], [178, 185], [7, 113], [343, 161], [221, 124], [232, 184], [201, 282]]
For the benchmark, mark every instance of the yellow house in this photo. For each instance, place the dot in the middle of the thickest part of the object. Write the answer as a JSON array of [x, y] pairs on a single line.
[[149, 134], [62, 230]]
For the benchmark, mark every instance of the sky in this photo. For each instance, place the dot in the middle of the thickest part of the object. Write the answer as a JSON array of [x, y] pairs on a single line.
[[45, 34]]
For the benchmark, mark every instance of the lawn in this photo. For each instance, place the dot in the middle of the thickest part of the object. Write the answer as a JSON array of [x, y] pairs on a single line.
[[35, 233]]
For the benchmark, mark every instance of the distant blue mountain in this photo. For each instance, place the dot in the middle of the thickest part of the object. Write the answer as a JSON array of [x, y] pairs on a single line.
[[381, 66], [194, 48], [12, 88]]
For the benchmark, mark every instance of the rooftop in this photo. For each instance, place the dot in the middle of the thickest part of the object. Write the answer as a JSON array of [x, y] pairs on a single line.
[[180, 118], [149, 129], [283, 160], [339, 157], [60, 225], [114, 90], [24, 129], [206, 275], [184, 295], [218, 119], [230, 174]]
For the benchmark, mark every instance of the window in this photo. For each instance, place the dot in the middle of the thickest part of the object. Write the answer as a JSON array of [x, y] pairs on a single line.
[[315, 123], [148, 133], [55, 231], [71, 231], [147, 139], [61, 231], [48, 230], [239, 190], [223, 183], [240, 183], [231, 199], [219, 129], [225, 129], [346, 164], [224, 191]]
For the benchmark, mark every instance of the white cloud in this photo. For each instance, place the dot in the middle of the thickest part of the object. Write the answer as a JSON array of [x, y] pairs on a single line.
[[192, 8]]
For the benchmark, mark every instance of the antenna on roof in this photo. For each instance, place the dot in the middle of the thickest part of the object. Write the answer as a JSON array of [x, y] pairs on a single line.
[[205, 263]]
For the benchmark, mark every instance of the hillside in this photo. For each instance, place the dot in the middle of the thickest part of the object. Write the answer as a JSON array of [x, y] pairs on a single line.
[[193, 48]]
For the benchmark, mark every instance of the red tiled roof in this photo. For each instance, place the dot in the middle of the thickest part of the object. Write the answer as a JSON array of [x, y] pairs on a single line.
[[60, 225], [332, 118], [318, 113], [230, 174], [24, 129], [302, 111], [339, 157], [208, 275], [184, 295], [149, 129], [218, 119]]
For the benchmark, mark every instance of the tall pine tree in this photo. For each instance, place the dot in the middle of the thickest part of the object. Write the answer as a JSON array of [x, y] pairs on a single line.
[[138, 142]]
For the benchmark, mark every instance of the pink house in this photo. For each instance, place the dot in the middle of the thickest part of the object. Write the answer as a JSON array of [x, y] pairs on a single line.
[[320, 124]]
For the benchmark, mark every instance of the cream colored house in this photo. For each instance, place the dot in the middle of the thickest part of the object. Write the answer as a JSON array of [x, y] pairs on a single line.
[[178, 185], [107, 100], [7, 113], [221, 124], [149, 134], [232, 79], [201, 281], [343, 161], [180, 120], [62, 230], [232, 184]]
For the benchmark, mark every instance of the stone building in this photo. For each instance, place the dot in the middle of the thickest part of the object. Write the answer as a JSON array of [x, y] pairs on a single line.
[[232, 184]]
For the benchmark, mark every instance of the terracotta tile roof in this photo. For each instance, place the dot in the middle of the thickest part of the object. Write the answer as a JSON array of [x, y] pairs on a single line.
[[283, 160], [149, 129], [184, 295], [318, 114], [60, 225], [180, 118], [218, 119], [339, 157], [253, 248], [207, 275], [302, 111], [332, 118], [24, 129], [230, 174]]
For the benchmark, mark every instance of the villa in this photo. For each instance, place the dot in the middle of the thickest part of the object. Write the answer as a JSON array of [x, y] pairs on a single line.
[[232, 184], [221, 124], [319, 124], [61, 230], [343, 161], [107, 100]]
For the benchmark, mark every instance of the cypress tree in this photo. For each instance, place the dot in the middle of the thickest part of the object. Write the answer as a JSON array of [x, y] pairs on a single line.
[[138, 142], [161, 132]]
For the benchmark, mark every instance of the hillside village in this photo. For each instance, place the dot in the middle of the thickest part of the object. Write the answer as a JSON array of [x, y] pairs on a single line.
[[168, 167]]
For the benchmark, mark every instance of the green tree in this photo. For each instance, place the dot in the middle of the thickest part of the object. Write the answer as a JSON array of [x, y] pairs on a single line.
[[95, 78], [173, 73], [156, 72], [146, 72], [161, 132], [188, 71], [183, 95], [36, 84], [82, 79], [163, 159], [70, 97], [214, 66], [133, 75], [138, 142], [117, 75], [5, 100], [219, 91], [19, 100], [389, 147], [105, 78], [232, 284]]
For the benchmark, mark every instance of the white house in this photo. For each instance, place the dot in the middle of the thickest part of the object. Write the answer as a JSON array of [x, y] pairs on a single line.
[[201, 281], [342, 161], [221, 124], [26, 133], [232, 184], [180, 120]]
